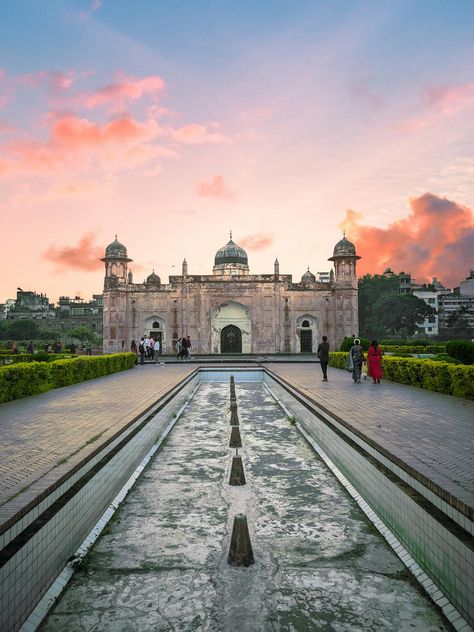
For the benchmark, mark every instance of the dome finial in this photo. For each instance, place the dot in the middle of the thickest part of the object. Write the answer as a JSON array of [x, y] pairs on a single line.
[[115, 235], [231, 234]]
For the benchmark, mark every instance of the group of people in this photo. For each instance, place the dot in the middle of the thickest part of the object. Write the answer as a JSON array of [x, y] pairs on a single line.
[[357, 364], [148, 347], [183, 348]]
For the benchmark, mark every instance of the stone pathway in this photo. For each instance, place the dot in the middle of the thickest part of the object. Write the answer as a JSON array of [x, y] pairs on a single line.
[[430, 432], [39, 433]]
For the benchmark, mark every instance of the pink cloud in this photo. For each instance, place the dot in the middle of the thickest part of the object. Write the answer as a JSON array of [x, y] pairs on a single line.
[[120, 93], [449, 98], [258, 241], [214, 188], [74, 142], [195, 134], [436, 239], [84, 256]]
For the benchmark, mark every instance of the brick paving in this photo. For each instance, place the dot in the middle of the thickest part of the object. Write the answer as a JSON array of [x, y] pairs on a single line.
[[39, 434], [430, 432]]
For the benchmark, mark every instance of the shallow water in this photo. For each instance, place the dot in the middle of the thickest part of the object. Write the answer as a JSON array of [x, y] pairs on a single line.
[[161, 564]]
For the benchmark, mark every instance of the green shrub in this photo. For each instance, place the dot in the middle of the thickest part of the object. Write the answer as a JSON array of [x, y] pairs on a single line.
[[347, 343], [462, 350], [413, 348], [29, 378], [433, 375], [462, 380]]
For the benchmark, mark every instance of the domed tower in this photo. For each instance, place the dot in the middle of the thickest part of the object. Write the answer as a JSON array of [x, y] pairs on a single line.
[[116, 261], [345, 259], [153, 280], [308, 277], [231, 259]]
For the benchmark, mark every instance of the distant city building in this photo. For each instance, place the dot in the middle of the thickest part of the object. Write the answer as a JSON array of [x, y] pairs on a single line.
[[75, 312], [231, 310], [445, 301]]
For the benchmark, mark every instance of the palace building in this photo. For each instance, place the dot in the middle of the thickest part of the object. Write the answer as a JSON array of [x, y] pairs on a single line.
[[231, 310]]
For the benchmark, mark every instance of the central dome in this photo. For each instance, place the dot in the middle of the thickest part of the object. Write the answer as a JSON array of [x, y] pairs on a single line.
[[230, 253]]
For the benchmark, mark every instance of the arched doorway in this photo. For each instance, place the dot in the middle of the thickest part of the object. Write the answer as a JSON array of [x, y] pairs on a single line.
[[231, 339], [306, 341]]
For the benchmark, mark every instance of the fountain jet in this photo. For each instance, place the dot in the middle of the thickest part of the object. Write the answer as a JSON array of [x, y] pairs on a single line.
[[240, 551], [235, 440], [237, 476]]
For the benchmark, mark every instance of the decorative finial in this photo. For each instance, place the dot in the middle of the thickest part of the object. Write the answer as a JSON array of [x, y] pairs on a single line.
[[308, 268], [231, 234], [115, 236], [344, 233]]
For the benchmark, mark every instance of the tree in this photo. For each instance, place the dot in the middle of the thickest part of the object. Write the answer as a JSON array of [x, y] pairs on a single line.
[[372, 287], [19, 330], [86, 336], [398, 314], [458, 322]]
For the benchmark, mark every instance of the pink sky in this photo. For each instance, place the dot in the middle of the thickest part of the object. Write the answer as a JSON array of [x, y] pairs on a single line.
[[274, 134]]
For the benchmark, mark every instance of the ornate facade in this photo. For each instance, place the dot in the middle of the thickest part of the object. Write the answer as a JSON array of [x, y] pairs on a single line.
[[231, 311]]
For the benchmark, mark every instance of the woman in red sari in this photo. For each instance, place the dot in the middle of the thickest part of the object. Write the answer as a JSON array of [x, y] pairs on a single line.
[[374, 358]]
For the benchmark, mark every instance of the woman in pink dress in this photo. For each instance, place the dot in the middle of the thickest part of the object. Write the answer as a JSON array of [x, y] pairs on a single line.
[[374, 358]]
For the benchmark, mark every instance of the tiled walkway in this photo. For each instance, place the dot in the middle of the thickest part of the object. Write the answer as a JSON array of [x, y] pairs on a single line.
[[39, 434], [430, 432]]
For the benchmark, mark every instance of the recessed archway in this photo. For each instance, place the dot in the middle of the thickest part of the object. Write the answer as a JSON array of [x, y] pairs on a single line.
[[234, 318]]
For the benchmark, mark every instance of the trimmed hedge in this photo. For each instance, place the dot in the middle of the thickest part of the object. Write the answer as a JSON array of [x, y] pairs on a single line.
[[452, 379], [347, 343], [462, 350], [29, 378], [41, 356], [414, 348]]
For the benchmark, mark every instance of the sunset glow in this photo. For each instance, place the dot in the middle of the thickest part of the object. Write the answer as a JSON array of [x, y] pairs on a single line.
[[169, 124]]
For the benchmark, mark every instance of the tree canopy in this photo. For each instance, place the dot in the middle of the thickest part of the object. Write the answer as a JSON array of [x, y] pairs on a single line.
[[397, 314], [373, 287]]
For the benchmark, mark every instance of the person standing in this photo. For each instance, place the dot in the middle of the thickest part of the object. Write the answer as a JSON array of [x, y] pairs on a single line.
[[30, 348], [188, 347], [323, 355], [374, 360], [157, 351], [14, 348], [152, 348], [142, 350], [356, 354], [147, 346], [178, 348]]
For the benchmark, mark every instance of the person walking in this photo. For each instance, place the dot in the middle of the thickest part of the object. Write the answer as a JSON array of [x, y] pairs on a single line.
[[30, 348], [374, 360], [356, 355], [323, 355], [134, 349], [178, 348], [152, 348]]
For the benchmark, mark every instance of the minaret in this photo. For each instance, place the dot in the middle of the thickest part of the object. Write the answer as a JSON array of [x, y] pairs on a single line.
[[276, 268], [345, 258], [116, 262]]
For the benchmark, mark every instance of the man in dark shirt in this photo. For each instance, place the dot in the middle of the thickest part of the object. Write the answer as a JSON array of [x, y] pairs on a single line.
[[323, 355]]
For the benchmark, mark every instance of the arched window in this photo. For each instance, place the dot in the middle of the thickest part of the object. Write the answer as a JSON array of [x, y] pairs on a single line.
[[156, 325], [305, 323]]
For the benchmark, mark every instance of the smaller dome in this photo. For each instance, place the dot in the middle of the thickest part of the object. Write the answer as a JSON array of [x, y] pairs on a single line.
[[344, 248], [308, 277], [115, 249], [153, 279]]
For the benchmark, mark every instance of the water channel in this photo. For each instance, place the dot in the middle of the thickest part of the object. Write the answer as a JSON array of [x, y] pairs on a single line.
[[161, 563]]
